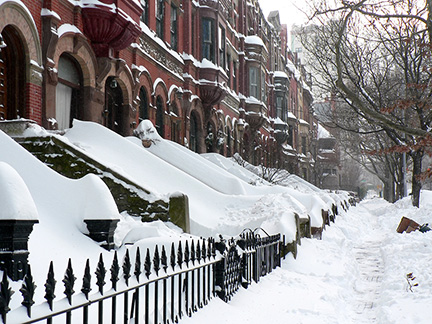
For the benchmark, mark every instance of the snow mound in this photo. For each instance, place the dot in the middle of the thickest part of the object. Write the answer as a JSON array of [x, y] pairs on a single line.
[[15, 199]]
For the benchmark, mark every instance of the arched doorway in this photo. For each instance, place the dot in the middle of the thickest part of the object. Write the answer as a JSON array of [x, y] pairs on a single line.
[[68, 92], [12, 75], [143, 109], [160, 113], [113, 105]]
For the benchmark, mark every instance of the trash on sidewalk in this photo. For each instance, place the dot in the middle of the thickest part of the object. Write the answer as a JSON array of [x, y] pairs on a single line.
[[424, 228], [408, 225]]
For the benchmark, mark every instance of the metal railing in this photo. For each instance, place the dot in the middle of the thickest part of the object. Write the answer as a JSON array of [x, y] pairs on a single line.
[[158, 288]]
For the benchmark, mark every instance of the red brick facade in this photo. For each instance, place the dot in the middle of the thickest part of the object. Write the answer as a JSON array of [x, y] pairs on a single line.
[[209, 74]]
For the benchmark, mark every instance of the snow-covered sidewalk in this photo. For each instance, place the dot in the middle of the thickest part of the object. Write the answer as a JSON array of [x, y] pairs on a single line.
[[356, 274]]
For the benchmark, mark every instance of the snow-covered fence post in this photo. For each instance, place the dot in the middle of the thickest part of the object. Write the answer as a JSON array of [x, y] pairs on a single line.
[[18, 214], [179, 210]]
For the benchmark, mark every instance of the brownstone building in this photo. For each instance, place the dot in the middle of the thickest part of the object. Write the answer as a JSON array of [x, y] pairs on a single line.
[[213, 75]]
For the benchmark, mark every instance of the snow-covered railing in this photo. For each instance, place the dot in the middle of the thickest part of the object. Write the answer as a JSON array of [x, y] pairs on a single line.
[[158, 288]]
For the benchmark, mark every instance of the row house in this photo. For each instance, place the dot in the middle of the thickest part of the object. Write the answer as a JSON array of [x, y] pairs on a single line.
[[212, 75]]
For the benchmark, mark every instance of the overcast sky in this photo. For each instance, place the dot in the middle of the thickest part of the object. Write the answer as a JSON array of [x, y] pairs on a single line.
[[289, 10]]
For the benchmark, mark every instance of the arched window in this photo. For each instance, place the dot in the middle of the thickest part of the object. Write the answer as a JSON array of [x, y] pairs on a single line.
[[160, 112], [143, 110], [193, 133], [68, 94]]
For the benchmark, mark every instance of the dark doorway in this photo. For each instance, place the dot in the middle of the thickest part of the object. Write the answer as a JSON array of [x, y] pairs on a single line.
[[12, 76], [143, 110], [193, 133], [113, 105], [160, 113]]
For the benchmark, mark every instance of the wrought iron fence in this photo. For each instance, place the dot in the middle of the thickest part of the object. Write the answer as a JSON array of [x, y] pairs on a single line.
[[158, 288]]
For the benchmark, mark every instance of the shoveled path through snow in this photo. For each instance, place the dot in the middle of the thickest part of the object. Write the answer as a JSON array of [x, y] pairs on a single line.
[[355, 274], [369, 262]]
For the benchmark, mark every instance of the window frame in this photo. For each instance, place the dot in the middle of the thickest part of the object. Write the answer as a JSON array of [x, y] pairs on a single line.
[[208, 39], [160, 16], [253, 82], [174, 27], [222, 47]]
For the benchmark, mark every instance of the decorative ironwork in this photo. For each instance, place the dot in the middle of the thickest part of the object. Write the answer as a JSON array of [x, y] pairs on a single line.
[[156, 261], [86, 280], [69, 281], [164, 259], [187, 254], [27, 290], [115, 269], [5, 296], [147, 264], [138, 271], [173, 257], [50, 286], [180, 255], [100, 274], [127, 268], [194, 276]]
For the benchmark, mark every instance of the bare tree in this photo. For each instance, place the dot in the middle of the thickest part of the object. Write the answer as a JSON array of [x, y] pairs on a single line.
[[376, 55]]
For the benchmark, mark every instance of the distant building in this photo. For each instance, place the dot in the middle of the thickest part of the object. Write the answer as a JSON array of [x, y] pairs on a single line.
[[215, 76], [327, 160]]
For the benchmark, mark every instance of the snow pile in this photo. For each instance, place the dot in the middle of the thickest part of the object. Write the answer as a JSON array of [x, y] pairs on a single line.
[[15, 199], [219, 201]]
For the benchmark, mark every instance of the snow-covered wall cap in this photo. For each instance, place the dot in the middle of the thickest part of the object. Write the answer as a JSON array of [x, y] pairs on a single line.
[[97, 201], [279, 121], [280, 74], [16, 202], [67, 28], [291, 115], [254, 40], [176, 194]]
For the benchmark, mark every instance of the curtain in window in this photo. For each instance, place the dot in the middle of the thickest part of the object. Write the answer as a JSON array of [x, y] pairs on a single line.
[[63, 105]]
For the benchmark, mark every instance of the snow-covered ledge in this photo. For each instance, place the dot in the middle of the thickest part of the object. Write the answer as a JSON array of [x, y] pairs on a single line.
[[18, 214]]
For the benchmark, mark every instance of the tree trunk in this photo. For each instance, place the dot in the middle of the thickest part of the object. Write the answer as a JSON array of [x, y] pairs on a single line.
[[417, 158]]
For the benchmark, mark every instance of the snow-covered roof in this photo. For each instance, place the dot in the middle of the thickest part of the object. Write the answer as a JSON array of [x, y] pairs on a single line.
[[291, 115], [323, 133], [254, 40], [279, 121], [280, 74]]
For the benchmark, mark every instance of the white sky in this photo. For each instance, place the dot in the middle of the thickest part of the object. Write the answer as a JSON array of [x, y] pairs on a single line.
[[290, 11]]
